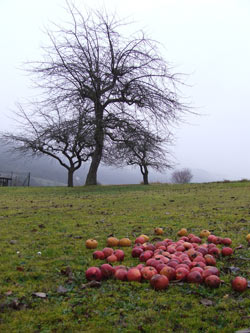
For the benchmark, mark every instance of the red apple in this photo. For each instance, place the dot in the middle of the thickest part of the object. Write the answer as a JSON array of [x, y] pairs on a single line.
[[184, 238], [206, 273], [183, 265], [121, 274], [199, 259], [194, 277], [187, 245], [119, 267], [210, 246], [202, 250], [159, 282], [147, 272], [192, 253], [212, 281], [112, 258], [107, 251], [158, 244], [152, 262], [180, 248], [226, 251], [98, 255], [93, 273], [215, 251], [213, 269], [226, 241], [187, 262], [159, 267], [195, 239], [136, 252], [198, 264], [171, 249], [197, 269], [164, 260], [134, 274], [140, 240], [181, 273], [169, 272], [107, 270], [210, 260], [173, 263], [146, 255], [150, 247], [212, 239], [239, 283], [140, 266], [119, 254]]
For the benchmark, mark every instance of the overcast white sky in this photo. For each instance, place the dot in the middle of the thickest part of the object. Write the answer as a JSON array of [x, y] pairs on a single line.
[[207, 39]]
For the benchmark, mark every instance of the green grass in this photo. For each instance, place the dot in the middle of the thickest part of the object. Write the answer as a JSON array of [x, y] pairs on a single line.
[[57, 221]]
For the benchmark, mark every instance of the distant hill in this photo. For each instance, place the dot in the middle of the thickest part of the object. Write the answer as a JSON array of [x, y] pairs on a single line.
[[47, 172]]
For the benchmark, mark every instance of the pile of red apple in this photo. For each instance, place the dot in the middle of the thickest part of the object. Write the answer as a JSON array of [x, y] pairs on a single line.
[[187, 259]]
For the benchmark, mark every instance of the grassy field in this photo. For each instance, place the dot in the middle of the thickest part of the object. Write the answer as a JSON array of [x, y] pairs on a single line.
[[43, 231]]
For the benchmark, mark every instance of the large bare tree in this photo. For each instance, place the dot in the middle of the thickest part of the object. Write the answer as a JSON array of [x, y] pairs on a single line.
[[90, 60]]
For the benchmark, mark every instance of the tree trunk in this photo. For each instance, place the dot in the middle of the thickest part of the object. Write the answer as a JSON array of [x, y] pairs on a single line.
[[70, 178], [92, 174], [97, 156], [145, 178], [144, 171]]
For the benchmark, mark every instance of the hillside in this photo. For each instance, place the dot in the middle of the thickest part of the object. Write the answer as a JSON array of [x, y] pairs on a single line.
[[44, 259], [47, 172]]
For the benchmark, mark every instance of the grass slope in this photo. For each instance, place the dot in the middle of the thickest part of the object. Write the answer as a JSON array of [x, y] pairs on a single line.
[[43, 231]]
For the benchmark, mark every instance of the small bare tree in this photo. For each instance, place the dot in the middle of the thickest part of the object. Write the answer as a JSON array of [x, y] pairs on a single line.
[[181, 176], [137, 146], [67, 139]]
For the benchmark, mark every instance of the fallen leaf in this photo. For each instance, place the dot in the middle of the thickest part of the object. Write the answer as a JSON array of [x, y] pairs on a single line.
[[156, 239], [40, 295], [62, 290], [15, 304], [67, 271], [83, 286], [178, 282], [94, 284], [242, 220], [91, 284], [8, 293], [231, 269], [20, 269], [239, 247], [206, 302]]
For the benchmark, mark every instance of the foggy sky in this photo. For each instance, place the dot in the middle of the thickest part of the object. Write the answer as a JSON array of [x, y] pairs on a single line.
[[206, 39]]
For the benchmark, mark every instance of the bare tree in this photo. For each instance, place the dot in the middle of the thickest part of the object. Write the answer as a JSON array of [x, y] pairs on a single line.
[[135, 145], [91, 61], [69, 140], [182, 176]]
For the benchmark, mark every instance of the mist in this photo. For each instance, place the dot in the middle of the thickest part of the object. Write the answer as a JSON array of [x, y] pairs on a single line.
[[206, 41]]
